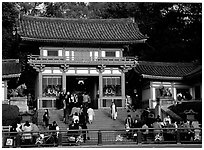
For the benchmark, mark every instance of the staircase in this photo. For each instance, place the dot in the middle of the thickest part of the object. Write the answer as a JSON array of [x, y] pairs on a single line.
[[102, 121], [171, 113], [55, 115]]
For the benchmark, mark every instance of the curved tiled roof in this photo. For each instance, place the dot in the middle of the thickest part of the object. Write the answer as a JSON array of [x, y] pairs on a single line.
[[163, 70], [79, 30], [11, 68]]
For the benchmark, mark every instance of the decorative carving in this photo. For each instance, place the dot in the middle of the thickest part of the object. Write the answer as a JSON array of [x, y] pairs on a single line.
[[125, 68], [101, 68], [38, 68], [136, 61], [64, 68]]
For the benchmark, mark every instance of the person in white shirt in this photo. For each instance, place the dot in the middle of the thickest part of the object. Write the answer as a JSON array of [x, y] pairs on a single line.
[[167, 119], [75, 117], [113, 111], [27, 136], [91, 115]]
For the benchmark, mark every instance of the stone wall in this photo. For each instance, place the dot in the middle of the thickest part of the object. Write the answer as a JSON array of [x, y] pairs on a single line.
[[21, 102]]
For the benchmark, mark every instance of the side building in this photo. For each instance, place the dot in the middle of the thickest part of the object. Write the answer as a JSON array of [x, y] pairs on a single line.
[[79, 55], [11, 71], [171, 82]]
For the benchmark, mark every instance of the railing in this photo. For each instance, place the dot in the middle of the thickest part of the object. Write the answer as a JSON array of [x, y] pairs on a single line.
[[104, 137], [76, 60], [163, 102]]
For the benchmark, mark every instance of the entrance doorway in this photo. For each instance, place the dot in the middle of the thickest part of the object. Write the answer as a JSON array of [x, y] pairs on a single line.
[[82, 84]]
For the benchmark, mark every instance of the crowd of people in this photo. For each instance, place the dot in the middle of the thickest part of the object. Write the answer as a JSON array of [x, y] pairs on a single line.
[[165, 129], [28, 131], [77, 112]]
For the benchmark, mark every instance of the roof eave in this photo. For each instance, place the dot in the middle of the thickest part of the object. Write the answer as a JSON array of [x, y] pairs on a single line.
[[161, 77], [83, 41], [11, 76]]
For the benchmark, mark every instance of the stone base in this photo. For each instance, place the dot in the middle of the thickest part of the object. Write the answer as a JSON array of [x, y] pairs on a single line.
[[21, 102]]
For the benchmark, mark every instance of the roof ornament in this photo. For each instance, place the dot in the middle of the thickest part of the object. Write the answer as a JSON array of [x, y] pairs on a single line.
[[38, 68], [101, 68], [64, 68]]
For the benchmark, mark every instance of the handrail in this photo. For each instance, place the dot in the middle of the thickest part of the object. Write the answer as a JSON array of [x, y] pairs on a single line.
[[104, 136], [50, 131], [79, 60]]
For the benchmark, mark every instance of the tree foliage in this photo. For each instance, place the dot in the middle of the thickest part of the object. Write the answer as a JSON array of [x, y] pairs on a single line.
[[9, 15], [174, 29]]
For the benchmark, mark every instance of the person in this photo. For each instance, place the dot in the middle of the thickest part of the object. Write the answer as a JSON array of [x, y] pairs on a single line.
[[54, 126], [85, 108], [75, 96], [27, 137], [128, 122], [18, 126], [35, 131], [197, 130], [73, 126], [46, 118], [113, 111], [59, 102], [86, 99], [128, 125], [82, 123], [84, 133], [80, 99], [91, 115], [65, 100], [159, 118], [30, 101], [145, 131], [169, 132], [136, 124], [82, 118], [167, 118], [157, 129], [74, 110], [75, 117], [187, 96]]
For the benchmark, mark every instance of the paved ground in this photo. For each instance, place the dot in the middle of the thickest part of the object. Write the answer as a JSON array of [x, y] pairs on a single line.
[[141, 146]]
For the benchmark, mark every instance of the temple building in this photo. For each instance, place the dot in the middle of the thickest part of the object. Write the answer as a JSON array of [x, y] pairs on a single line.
[[171, 82], [11, 71], [79, 55]]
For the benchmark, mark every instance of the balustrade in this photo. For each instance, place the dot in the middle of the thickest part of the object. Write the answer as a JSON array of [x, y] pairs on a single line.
[[107, 137], [76, 60]]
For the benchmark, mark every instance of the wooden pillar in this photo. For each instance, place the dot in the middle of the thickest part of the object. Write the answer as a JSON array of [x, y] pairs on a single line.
[[5, 87], [64, 68], [100, 90], [40, 84], [39, 89], [123, 88], [39, 68], [100, 69], [64, 80]]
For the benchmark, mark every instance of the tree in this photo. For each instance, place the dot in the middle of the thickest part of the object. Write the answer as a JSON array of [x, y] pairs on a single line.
[[9, 15], [174, 29]]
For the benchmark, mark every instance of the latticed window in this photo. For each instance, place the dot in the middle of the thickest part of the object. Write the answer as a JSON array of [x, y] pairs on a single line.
[[51, 85], [52, 53], [110, 53], [112, 86]]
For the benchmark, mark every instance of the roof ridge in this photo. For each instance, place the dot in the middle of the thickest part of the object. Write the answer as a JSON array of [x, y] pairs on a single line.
[[10, 60], [113, 20], [166, 63]]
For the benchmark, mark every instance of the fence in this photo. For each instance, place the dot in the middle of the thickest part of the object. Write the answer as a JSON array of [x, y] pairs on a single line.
[[103, 137]]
